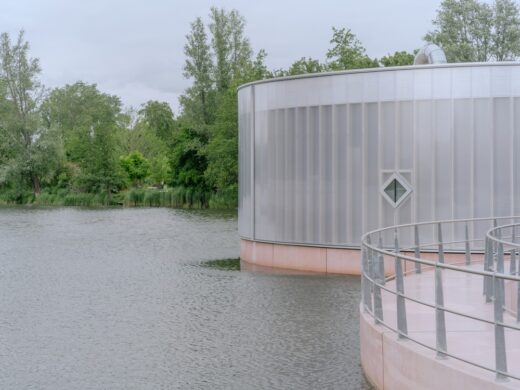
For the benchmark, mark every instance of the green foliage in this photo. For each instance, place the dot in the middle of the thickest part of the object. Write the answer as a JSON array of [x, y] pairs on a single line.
[[89, 123], [399, 58], [222, 149], [347, 52], [79, 111], [505, 40], [29, 152], [136, 167], [470, 30], [306, 65], [231, 48], [198, 102], [187, 162], [158, 117], [302, 66], [160, 170], [204, 153]]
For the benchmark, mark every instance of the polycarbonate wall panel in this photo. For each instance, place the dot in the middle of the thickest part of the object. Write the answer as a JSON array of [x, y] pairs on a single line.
[[502, 157], [483, 161], [341, 156], [245, 132], [324, 146], [463, 138], [372, 170], [355, 188], [442, 162], [516, 156], [424, 169]]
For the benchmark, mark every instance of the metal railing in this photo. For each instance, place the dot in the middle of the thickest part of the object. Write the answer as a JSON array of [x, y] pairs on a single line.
[[473, 252]]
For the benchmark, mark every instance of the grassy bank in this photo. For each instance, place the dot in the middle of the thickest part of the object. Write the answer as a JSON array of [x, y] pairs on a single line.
[[136, 197]]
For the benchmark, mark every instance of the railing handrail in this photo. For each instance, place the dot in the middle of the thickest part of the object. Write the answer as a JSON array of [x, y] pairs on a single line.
[[489, 235]]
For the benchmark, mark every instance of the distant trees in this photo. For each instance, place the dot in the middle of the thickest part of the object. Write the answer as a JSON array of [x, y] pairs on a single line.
[[347, 52], [198, 101], [88, 122], [136, 166], [29, 152], [470, 30], [205, 145], [399, 58]]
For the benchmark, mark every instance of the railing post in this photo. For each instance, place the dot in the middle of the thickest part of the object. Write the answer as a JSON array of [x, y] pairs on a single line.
[[518, 296], [512, 264], [488, 261], [440, 320], [441, 244], [467, 248], [500, 342], [381, 259], [417, 249], [402, 326], [376, 277], [367, 296], [512, 261]]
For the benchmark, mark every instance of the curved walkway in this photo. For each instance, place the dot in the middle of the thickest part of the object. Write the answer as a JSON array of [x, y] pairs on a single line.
[[393, 363]]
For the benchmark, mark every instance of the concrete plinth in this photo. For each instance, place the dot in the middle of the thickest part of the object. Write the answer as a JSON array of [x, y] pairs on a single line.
[[301, 258]]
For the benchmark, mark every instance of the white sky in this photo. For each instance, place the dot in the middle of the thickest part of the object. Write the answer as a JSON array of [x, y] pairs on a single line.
[[134, 49]]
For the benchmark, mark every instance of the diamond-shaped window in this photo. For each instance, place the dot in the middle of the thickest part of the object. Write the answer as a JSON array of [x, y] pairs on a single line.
[[396, 189]]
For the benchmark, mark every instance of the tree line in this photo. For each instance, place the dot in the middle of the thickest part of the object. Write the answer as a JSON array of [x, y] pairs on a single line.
[[76, 142]]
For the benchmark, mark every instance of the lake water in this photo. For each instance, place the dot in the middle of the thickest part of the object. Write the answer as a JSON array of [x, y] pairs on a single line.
[[120, 299]]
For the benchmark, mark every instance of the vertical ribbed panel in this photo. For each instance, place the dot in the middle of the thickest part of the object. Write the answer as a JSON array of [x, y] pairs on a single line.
[[245, 130]]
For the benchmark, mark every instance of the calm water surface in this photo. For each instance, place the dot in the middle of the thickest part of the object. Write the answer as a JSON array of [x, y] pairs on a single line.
[[118, 299]]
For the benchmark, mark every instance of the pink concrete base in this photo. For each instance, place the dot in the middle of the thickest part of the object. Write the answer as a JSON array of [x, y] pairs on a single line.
[[324, 260], [301, 258]]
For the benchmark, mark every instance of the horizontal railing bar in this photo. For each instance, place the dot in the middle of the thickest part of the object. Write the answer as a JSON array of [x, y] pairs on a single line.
[[502, 240], [434, 223], [435, 244], [443, 308], [442, 265]]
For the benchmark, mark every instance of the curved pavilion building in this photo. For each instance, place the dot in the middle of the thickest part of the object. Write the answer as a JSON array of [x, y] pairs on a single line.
[[327, 157]]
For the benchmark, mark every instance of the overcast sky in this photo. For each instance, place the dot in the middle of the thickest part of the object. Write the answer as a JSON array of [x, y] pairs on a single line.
[[134, 49]]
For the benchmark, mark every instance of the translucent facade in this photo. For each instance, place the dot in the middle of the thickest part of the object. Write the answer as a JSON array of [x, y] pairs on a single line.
[[325, 158]]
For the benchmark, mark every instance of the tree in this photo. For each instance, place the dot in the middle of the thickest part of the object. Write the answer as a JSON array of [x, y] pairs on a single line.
[[221, 173], [33, 151], [231, 48], [306, 65], [470, 31], [347, 52], [79, 110], [136, 167], [506, 37], [158, 116], [207, 128], [198, 102], [187, 162], [399, 58], [90, 123], [139, 136], [463, 30]]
